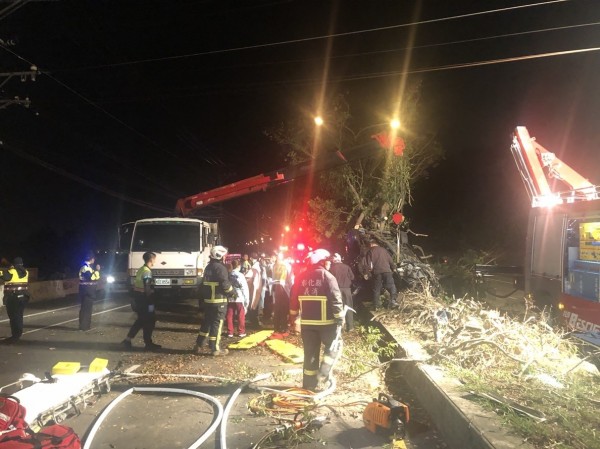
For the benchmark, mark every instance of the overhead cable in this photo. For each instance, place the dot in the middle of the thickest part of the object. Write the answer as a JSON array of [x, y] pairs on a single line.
[[83, 181], [327, 36], [100, 108]]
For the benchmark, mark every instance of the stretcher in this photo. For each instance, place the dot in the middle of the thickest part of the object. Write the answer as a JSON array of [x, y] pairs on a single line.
[[251, 340], [288, 351], [58, 395]]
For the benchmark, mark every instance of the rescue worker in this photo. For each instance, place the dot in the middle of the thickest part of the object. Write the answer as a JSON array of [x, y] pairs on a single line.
[[317, 297], [16, 297], [254, 279], [344, 276], [281, 298], [237, 306], [380, 264], [214, 292], [88, 280], [143, 305]]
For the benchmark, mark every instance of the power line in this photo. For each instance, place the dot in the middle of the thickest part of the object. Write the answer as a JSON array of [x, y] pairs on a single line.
[[100, 108], [76, 178], [394, 50], [312, 81], [4, 13], [315, 38]]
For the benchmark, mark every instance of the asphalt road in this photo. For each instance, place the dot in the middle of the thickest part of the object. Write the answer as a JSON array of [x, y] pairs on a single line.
[[165, 419]]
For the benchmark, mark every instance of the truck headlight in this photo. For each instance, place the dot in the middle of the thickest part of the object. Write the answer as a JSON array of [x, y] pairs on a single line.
[[189, 272], [110, 279]]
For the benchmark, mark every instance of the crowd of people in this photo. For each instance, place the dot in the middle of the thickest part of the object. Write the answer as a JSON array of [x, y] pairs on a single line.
[[314, 297]]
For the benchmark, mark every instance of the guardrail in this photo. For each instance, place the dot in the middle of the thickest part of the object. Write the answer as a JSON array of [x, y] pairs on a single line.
[[40, 291]]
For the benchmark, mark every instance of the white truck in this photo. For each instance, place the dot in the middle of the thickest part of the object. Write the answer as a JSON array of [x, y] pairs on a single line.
[[181, 245]]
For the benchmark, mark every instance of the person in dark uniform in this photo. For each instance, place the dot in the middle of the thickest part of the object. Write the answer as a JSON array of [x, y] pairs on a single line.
[[344, 276], [143, 305], [215, 290], [88, 279], [380, 264], [16, 297], [317, 298]]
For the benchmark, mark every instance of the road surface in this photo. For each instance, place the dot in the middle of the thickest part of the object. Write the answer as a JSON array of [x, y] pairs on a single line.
[[165, 420]]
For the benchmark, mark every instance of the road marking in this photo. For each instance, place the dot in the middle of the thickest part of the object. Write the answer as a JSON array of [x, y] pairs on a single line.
[[49, 311], [74, 319]]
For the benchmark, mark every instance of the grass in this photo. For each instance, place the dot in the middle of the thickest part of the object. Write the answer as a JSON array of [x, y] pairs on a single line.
[[523, 360]]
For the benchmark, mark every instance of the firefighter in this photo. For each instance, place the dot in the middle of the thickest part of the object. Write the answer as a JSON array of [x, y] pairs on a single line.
[[343, 274], [381, 266], [88, 280], [16, 297], [317, 297], [143, 305], [215, 290]]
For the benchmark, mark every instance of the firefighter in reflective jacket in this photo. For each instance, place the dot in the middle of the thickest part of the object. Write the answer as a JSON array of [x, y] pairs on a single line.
[[88, 279], [214, 291], [317, 297], [16, 296], [143, 305]]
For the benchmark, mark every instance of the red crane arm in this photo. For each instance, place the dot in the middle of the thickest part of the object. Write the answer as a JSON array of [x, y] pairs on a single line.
[[240, 188], [185, 206], [536, 165]]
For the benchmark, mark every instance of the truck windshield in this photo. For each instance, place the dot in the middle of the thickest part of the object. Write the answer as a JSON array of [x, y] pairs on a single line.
[[169, 236]]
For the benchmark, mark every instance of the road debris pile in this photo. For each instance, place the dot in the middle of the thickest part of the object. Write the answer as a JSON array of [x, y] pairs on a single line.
[[524, 368]]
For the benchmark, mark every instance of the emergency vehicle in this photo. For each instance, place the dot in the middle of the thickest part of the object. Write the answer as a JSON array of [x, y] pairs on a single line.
[[181, 245], [562, 265]]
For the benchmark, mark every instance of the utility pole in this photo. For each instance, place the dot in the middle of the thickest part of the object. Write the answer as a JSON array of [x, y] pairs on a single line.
[[24, 76]]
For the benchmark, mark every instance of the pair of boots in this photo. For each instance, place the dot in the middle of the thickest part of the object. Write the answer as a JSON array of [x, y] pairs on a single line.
[[214, 352], [148, 347]]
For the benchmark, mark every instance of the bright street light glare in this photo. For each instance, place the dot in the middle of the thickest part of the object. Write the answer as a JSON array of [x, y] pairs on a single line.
[[395, 123], [318, 121]]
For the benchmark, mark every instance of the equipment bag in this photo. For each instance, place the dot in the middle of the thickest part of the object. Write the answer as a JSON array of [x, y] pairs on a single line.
[[50, 437], [12, 418]]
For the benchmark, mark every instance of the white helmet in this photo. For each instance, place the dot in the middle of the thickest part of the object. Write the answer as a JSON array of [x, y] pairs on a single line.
[[336, 258], [218, 252], [318, 255]]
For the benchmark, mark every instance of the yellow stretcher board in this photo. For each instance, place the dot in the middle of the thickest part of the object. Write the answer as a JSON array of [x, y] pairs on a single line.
[[288, 351], [66, 368], [251, 340]]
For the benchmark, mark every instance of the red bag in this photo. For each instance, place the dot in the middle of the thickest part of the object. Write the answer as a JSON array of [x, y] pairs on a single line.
[[12, 418], [50, 437]]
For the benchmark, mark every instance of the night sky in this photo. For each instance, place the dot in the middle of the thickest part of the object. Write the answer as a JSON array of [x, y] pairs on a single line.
[[139, 103]]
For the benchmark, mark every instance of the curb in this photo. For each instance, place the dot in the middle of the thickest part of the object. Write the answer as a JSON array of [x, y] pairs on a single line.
[[461, 421]]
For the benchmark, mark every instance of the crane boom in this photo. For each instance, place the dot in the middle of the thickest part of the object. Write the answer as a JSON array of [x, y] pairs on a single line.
[[186, 206], [537, 165]]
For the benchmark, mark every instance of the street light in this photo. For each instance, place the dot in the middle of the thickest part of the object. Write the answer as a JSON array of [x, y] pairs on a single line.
[[318, 120], [394, 123]]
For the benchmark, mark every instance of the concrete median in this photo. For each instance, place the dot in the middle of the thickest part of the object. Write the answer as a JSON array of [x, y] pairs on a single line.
[[460, 420], [40, 291]]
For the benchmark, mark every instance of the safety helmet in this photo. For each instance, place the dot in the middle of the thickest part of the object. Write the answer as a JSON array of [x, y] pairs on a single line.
[[336, 258], [218, 252], [318, 255]]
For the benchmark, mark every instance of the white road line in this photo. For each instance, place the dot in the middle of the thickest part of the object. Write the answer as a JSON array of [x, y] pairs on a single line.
[[74, 319], [46, 311], [42, 313]]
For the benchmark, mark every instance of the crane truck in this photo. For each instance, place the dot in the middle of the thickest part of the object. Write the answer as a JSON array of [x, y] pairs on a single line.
[[562, 257], [182, 243]]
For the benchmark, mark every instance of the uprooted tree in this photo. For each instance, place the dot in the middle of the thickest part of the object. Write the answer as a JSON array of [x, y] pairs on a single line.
[[365, 197]]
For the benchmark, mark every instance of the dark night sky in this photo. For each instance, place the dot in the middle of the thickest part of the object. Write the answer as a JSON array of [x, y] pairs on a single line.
[[155, 100]]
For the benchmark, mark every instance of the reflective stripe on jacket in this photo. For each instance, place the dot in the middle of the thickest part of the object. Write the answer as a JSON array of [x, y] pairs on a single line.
[[87, 275], [317, 297], [215, 284], [19, 280]]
